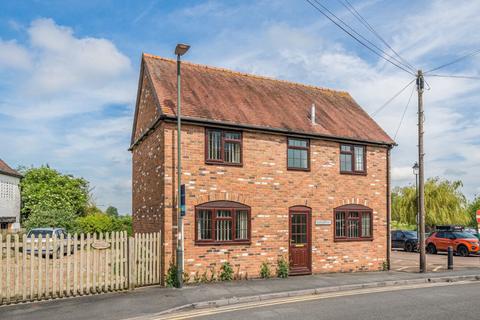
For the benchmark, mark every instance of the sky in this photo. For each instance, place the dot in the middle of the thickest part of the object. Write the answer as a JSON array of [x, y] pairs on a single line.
[[69, 72]]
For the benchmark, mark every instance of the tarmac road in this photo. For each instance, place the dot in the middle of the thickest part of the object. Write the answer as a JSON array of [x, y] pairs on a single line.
[[439, 302]]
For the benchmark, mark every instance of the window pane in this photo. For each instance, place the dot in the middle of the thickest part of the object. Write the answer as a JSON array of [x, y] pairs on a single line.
[[204, 225], [297, 158], [366, 221], [242, 225], [223, 230], [353, 225], [345, 162], [359, 159], [340, 224], [214, 145], [232, 152], [346, 148], [224, 213], [297, 143], [232, 135]]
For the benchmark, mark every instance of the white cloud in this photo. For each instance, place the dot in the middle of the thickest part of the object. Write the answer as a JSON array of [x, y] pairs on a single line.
[[13, 56], [60, 109]]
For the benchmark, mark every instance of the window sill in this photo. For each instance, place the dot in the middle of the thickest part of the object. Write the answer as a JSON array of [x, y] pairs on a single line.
[[223, 243], [298, 169], [353, 173], [353, 239], [219, 163]]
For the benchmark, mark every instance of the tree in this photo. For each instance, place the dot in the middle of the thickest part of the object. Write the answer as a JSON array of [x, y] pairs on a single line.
[[44, 189], [112, 211], [444, 203], [472, 211], [54, 218]]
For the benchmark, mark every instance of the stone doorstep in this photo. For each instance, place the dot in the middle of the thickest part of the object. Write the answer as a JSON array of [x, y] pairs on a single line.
[[304, 292]]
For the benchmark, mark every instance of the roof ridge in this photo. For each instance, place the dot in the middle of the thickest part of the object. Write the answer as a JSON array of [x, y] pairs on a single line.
[[246, 74]]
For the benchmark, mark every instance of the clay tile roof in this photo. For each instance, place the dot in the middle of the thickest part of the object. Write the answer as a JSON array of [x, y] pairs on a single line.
[[6, 170], [236, 98]]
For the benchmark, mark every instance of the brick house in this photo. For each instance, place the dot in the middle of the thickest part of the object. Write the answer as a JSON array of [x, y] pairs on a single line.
[[272, 169], [9, 197]]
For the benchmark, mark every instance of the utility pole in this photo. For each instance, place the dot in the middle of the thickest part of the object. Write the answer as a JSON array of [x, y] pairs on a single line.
[[421, 173]]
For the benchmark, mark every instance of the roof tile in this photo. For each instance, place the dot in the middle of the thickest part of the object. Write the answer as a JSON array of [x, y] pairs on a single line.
[[237, 98]]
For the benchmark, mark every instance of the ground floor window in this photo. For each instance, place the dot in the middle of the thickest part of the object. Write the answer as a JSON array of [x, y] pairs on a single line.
[[353, 222], [222, 222]]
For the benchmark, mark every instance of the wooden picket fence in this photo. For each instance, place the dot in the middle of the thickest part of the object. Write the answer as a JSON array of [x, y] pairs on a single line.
[[81, 264]]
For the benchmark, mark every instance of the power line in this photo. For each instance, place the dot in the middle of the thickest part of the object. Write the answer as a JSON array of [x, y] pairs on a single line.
[[454, 76], [369, 27], [403, 114], [373, 114], [383, 53], [471, 54], [354, 37]]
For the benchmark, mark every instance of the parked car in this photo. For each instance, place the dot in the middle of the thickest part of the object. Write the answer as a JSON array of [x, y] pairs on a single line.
[[52, 233], [463, 243], [473, 231], [405, 239]]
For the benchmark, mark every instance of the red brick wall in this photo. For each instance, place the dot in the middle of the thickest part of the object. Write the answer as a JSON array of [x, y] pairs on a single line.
[[269, 189]]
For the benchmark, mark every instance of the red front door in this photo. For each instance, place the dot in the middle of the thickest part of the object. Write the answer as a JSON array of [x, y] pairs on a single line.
[[300, 242]]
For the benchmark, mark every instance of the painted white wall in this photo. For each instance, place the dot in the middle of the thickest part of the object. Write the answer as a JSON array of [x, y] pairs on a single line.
[[10, 197]]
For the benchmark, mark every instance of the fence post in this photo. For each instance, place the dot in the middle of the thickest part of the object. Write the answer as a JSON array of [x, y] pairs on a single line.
[[131, 263]]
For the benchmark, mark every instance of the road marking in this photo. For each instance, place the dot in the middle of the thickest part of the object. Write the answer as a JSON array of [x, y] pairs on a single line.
[[259, 304]]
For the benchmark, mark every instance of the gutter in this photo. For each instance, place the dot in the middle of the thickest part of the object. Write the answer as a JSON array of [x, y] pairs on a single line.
[[227, 125]]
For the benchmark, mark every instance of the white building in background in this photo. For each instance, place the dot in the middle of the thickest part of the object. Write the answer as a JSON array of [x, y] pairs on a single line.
[[9, 197]]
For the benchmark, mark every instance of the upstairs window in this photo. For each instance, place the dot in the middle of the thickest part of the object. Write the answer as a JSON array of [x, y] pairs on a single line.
[[353, 222], [223, 147], [298, 154], [222, 222], [352, 159]]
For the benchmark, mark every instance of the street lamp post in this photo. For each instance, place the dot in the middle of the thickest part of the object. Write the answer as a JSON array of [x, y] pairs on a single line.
[[415, 172], [180, 50]]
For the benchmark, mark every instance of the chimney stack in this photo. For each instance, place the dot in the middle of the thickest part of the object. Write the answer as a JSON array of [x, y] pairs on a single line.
[[312, 113]]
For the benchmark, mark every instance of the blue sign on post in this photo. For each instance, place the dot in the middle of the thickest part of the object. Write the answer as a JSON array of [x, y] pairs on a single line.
[[182, 200]]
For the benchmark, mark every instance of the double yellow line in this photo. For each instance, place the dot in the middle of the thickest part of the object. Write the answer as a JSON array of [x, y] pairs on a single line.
[[273, 302]]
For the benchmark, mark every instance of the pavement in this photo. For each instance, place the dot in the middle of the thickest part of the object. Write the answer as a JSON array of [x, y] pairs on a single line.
[[408, 262], [156, 300]]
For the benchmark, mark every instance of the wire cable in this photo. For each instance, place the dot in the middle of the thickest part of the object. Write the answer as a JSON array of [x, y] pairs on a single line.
[[373, 114], [369, 27], [471, 54], [354, 37], [383, 53], [454, 76], [403, 114]]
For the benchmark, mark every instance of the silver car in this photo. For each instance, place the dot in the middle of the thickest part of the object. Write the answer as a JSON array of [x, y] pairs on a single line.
[[52, 233]]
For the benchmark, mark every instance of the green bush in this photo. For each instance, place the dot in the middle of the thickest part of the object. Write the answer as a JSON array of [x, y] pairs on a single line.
[[100, 222], [226, 272], [54, 218], [172, 277], [265, 270], [282, 268]]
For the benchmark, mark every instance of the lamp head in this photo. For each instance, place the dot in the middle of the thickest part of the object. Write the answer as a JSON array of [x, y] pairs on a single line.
[[181, 49], [415, 168]]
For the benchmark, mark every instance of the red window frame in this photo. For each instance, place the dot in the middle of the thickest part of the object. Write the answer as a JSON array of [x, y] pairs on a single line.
[[223, 140], [233, 207], [352, 153], [348, 209], [307, 148]]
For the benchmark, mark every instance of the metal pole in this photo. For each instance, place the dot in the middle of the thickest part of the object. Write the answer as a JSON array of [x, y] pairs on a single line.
[[416, 202], [421, 173], [179, 183]]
